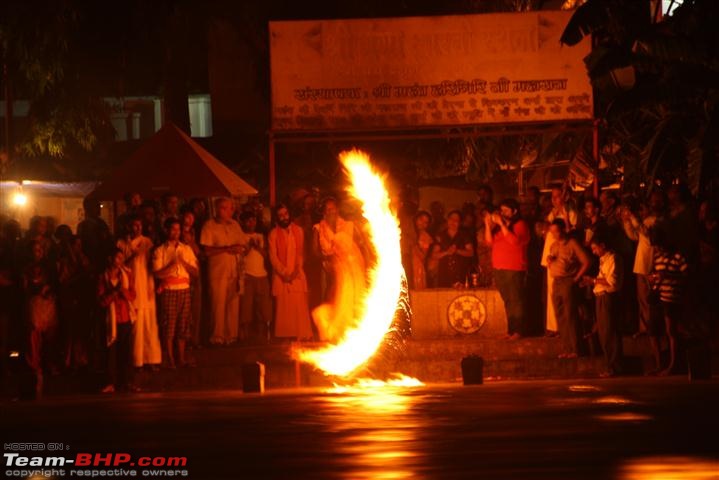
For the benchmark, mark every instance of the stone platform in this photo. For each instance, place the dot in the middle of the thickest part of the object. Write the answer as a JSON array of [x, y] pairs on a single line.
[[430, 360], [447, 326], [446, 312]]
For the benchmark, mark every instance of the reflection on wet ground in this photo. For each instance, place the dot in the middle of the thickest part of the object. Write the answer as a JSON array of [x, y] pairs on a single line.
[[621, 429], [669, 468]]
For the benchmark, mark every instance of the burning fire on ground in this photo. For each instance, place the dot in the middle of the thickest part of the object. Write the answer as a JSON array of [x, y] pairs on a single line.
[[362, 314]]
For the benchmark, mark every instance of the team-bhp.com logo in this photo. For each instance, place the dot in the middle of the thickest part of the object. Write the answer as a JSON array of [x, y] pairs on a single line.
[[121, 465]]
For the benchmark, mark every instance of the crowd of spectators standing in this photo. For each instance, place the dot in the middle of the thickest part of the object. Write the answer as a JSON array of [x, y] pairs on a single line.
[[170, 279], [173, 277], [582, 268]]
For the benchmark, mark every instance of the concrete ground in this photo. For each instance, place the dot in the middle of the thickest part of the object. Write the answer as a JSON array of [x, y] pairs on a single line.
[[625, 428]]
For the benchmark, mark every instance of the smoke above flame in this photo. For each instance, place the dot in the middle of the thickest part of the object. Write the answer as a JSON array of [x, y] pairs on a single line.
[[361, 319]]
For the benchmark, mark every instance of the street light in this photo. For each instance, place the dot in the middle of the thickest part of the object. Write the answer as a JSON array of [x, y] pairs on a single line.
[[19, 199]]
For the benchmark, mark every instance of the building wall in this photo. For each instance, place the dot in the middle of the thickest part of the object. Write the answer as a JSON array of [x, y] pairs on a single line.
[[451, 198], [62, 210], [236, 99]]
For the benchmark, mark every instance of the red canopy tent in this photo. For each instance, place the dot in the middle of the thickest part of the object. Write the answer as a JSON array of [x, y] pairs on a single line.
[[172, 162]]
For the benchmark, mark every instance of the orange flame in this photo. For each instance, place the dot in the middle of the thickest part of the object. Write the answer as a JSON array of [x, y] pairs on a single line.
[[361, 384], [366, 316]]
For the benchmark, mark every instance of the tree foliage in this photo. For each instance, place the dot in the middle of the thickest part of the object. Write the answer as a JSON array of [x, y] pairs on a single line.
[[66, 56], [657, 88], [38, 44]]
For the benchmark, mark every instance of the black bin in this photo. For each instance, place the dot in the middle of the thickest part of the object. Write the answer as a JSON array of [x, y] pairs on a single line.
[[699, 362], [473, 370]]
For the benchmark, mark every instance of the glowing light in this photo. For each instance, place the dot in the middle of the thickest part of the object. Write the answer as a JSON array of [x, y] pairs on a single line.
[[572, 4], [613, 400], [19, 199], [669, 468], [625, 417], [584, 388], [364, 384], [380, 430], [372, 318]]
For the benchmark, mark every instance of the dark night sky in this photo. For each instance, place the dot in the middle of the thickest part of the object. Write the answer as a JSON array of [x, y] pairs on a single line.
[[122, 47]]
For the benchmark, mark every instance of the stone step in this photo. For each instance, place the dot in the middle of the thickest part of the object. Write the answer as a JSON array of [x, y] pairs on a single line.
[[451, 371], [455, 347], [525, 348], [277, 375], [430, 360]]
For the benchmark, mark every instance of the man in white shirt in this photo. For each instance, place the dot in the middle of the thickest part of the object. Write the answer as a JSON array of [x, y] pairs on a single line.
[[607, 285], [256, 291], [173, 263], [638, 231], [225, 244]]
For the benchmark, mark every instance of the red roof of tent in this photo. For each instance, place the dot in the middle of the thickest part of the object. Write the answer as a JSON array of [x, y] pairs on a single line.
[[172, 162]]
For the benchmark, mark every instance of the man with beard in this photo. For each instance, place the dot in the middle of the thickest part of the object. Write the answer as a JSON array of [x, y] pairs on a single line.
[[508, 235], [289, 285]]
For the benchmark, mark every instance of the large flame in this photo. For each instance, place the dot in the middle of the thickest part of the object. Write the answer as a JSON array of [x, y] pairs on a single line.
[[397, 380], [374, 313]]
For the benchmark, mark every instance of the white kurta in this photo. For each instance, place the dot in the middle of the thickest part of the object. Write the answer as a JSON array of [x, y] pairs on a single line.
[[224, 273], [348, 270], [146, 348]]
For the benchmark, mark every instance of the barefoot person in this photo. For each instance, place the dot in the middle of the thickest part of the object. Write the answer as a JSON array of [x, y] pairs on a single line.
[[224, 244], [339, 243], [606, 287], [669, 279], [289, 285], [508, 235], [136, 247], [174, 263], [567, 262], [116, 291], [256, 303], [561, 210]]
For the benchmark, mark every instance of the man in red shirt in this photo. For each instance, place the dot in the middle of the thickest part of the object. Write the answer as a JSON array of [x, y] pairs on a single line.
[[508, 235]]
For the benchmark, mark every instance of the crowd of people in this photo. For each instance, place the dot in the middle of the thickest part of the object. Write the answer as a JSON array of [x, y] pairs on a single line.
[[169, 279], [571, 265], [173, 278]]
